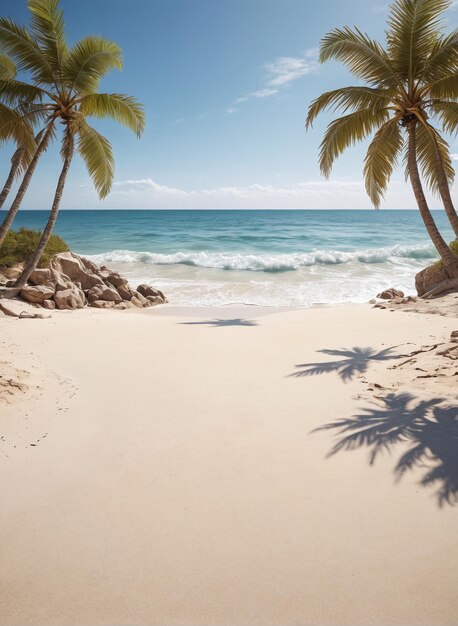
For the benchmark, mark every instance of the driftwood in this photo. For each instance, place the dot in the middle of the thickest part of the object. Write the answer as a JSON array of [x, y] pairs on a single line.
[[23, 315], [447, 285]]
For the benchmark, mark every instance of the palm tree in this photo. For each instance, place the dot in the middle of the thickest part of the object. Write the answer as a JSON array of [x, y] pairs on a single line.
[[409, 85], [65, 91], [14, 120]]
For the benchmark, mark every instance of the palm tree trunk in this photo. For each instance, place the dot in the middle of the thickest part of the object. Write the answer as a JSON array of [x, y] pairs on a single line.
[[8, 184], [444, 191], [449, 259], [42, 146], [35, 258]]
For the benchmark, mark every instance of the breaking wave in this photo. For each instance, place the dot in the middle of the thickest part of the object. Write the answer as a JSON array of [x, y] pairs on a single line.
[[269, 262]]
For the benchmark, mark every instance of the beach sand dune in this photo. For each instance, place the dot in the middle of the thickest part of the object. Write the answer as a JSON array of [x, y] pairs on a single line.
[[170, 467]]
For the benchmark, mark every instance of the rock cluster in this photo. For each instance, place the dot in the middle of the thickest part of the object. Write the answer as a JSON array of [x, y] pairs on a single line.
[[72, 282]]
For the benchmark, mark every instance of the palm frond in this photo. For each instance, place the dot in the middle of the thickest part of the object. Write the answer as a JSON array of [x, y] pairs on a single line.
[[16, 42], [15, 92], [47, 27], [381, 158], [447, 114], [431, 146], [88, 61], [98, 157], [414, 26], [442, 59], [364, 57], [445, 87], [346, 131], [7, 68], [13, 127], [123, 109], [347, 98]]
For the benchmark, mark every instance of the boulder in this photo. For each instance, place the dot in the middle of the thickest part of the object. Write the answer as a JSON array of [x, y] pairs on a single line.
[[71, 298], [48, 304], [77, 269], [155, 300], [11, 273], [103, 304], [388, 294], [42, 277], [147, 290], [36, 294], [138, 299], [124, 292], [113, 278], [121, 306], [430, 277], [103, 292]]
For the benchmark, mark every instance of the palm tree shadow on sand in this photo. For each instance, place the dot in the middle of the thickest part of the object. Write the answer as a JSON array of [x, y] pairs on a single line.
[[219, 323], [353, 361], [428, 427]]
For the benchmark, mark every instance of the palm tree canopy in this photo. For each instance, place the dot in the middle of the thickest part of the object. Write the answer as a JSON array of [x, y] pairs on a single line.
[[64, 85], [414, 78]]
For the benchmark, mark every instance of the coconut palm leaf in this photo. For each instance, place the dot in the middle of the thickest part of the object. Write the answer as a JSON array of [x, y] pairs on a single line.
[[48, 29], [88, 61], [14, 92], [447, 113], [346, 131], [442, 59], [347, 98], [381, 158], [445, 87], [123, 109], [7, 68], [413, 27], [98, 157], [26, 53], [364, 57], [428, 140]]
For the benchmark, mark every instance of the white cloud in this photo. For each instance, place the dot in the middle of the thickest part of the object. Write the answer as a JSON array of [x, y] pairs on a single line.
[[231, 110], [454, 156], [146, 193], [281, 72], [286, 69]]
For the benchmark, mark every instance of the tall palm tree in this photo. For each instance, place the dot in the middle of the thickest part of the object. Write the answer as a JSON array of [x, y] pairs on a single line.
[[409, 99], [64, 90], [16, 125]]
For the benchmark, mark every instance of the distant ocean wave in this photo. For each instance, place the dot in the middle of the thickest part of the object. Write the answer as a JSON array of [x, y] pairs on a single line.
[[269, 262]]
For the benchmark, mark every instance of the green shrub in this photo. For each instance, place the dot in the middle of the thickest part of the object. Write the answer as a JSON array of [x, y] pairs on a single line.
[[19, 245], [453, 245]]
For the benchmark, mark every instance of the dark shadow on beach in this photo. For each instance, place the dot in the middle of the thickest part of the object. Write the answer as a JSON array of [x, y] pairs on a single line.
[[353, 361], [429, 428], [218, 323]]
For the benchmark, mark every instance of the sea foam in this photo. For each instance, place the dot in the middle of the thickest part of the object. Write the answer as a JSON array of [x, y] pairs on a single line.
[[269, 262]]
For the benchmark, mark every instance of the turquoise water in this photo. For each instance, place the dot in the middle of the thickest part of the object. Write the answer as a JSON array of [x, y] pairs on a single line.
[[254, 257]]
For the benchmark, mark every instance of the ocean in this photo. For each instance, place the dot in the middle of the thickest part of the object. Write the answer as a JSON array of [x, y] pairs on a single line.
[[266, 258]]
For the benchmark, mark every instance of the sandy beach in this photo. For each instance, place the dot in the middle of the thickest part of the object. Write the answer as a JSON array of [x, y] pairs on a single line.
[[164, 467]]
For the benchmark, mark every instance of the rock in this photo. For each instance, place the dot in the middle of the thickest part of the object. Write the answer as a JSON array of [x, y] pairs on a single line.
[[61, 281], [36, 293], [114, 279], [124, 292], [388, 294], [138, 299], [121, 306], [454, 336], [48, 304], [103, 304], [77, 269], [42, 277], [12, 273], [103, 292], [72, 298], [155, 300], [147, 290], [430, 277]]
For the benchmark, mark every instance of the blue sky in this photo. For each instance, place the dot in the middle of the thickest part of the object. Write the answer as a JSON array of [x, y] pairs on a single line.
[[226, 85]]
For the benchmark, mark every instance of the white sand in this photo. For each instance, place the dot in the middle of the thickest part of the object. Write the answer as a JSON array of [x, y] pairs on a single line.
[[175, 478]]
